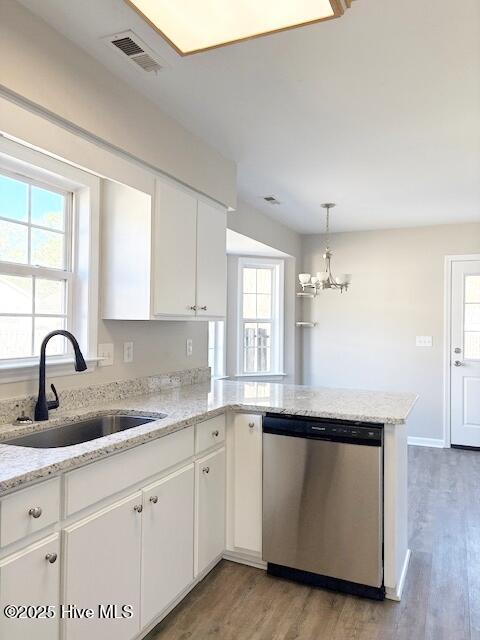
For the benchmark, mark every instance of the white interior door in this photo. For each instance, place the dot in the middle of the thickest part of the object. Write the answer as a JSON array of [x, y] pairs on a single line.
[[465, 353]]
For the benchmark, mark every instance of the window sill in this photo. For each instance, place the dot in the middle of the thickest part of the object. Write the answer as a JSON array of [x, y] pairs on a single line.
[[260, 375], [27, 369]]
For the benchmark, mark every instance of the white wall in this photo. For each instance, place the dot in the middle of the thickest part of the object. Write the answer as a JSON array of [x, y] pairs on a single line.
[[252, 223], [43, 68], [365, 338]]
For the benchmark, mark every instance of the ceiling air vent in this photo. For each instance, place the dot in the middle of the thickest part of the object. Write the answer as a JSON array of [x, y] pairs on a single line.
[[129, 44], [271, 200]]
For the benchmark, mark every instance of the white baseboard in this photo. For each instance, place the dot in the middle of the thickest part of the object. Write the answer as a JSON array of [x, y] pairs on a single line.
[[396, 594], [437, 443], [245, 558]]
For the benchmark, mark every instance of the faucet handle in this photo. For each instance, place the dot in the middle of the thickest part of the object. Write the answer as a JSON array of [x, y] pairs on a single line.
[[53, 404]]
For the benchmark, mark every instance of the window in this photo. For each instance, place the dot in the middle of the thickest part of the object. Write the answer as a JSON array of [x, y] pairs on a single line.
[[216, 348], [260, 316], [49, 243], [35, 265], [472, 317]]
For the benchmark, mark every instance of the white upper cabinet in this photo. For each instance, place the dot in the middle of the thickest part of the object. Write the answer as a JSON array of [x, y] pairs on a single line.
[[175, 242], [163, 254], [211, 261]]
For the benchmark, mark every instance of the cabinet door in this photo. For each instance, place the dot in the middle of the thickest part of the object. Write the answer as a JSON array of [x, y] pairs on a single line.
[[102, 567], [174, 250], [167, 541], [211, 261], [209, 509], [247, 483], [30, 578]]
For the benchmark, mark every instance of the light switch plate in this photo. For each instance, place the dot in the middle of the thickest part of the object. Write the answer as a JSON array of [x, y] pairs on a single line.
[[424, 341], [189, 347], [128, 351], [105, 351]]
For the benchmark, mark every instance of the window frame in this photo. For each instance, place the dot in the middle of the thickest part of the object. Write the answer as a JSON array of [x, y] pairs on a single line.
[[19, 269], [21, 161], [217, 349], [277, 320]]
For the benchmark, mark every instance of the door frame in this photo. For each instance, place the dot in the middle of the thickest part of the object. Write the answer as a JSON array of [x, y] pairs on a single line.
[[447, 341]]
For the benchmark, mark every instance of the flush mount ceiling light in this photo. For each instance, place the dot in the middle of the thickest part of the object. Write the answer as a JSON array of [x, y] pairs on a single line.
[[191, 26]]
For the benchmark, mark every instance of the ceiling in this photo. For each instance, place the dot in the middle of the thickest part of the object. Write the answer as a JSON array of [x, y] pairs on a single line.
[[240, 245], [378, 111]]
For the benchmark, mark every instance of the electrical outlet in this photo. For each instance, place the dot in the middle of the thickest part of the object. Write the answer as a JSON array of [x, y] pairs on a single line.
[[105, 351], [424, 341], [128, 351], [189, 347]]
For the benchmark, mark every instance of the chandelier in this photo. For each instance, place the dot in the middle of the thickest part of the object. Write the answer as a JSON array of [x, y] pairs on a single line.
[[312, 284]]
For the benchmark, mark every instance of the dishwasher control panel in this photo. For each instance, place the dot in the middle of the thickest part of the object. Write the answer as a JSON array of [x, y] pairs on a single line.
[[324, 429]]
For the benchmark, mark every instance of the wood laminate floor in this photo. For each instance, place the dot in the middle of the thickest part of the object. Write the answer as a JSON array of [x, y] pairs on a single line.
[[441, 600]]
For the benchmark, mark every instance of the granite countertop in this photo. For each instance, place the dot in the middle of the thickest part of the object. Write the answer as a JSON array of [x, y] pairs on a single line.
[[183, 406]]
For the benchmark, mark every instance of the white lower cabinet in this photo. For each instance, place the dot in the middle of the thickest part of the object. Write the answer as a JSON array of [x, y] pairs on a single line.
[[102, 567], [209, 509], [167, 541], [31, 577], [245, 483]]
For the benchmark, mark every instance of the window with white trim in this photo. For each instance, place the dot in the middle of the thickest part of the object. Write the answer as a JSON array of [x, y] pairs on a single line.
[[35, 265], [216, 348], [49, 244], [260, 322]]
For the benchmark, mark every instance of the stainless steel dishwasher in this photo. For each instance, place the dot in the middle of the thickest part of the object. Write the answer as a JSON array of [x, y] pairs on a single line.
[[323, 503]]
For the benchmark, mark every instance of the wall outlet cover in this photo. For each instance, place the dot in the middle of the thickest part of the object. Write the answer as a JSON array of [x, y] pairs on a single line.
[[128, 351], [424, 341], [105, 351]]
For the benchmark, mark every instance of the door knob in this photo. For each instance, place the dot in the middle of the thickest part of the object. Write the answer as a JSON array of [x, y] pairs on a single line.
[[154, 499], [458, 363], [51, 557], [215, 433], [206, 469], [457, 350], [138, 508], [35, 512]]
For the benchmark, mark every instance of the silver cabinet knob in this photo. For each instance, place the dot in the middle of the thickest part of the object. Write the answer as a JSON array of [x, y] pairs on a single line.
[[204, 308], [457, 350], [251, 425], [193, 307], [215, 433], [154, 499], [51, 557], [138, 508], [206, 470], [35, 512], [458, 363]]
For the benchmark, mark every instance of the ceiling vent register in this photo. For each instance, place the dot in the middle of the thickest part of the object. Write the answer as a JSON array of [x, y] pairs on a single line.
[[136, 51]]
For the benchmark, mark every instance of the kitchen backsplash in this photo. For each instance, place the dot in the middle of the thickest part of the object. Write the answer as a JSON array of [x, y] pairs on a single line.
[[11, 408]]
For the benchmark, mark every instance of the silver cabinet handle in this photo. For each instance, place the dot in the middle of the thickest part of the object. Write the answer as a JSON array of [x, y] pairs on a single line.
[[215, 433], [458, 363], [206, 470], [251, 425], [154, 499], [193, 307], [204, 308], [35, 512], [51, 557], [138, 508]]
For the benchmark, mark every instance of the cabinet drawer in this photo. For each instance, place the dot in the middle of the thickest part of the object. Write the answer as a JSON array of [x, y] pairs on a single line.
[[29, 510], [209, 433], [90, 484]]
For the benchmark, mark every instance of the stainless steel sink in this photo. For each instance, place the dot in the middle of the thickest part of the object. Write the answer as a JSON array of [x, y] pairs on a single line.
[[78, 432]]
